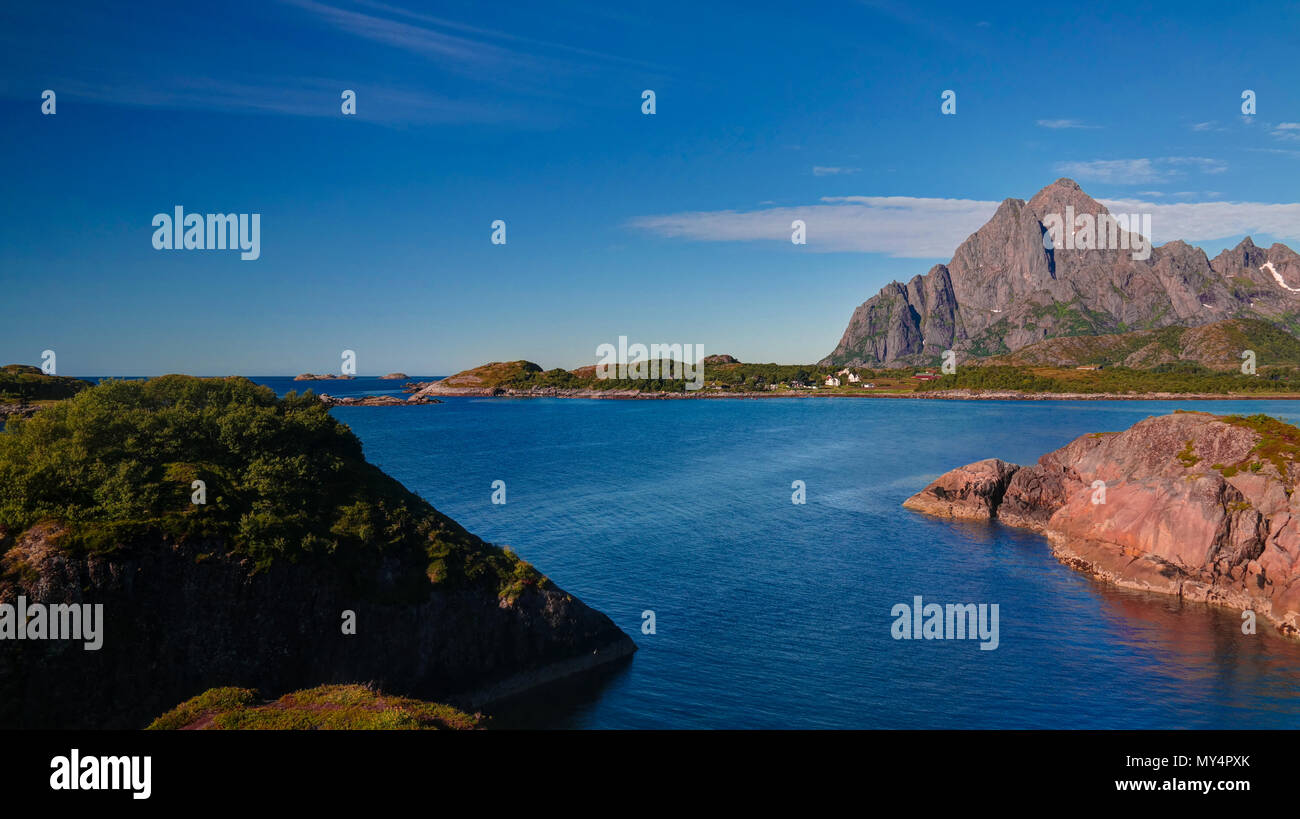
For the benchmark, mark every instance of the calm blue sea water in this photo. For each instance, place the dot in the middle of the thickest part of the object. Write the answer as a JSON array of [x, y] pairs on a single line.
[[775, 615]]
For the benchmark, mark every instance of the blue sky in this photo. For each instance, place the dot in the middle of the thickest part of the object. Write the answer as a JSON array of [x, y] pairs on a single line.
[[672, 228]]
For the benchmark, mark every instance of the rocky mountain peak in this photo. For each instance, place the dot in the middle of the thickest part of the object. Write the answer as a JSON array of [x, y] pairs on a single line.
[[1245, 255], [1061, 194], [1005, 289]]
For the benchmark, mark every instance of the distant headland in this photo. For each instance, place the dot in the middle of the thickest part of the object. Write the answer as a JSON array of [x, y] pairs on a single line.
[[1022, 378]]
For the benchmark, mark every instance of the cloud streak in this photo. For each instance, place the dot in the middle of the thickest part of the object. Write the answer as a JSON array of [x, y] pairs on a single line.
[[823, 170], [1065, 123], [453, 51], [900, 226], [299, 97], [1287, 130], [1139, 171], [932, 228]]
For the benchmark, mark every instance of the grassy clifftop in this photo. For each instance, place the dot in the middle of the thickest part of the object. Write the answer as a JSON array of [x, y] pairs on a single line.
[[328, 707], [115, 466]]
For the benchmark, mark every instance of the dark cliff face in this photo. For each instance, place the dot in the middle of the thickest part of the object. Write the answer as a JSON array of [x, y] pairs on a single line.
[[246, 581], [1004, 290], [903, 323], [180, 619]]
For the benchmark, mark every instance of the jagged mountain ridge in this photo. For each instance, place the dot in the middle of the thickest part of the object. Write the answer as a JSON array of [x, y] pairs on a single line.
[[1003, 290]]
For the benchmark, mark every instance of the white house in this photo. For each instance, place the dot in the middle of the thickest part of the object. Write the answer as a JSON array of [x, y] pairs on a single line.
[[832, 381], [853, 377]]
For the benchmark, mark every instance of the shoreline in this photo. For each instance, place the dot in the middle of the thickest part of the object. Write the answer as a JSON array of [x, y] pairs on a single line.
[[524, 683], [1111, 564], [936, 395]]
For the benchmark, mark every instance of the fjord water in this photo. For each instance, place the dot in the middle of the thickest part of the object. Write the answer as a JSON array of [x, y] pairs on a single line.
[[776, 615]]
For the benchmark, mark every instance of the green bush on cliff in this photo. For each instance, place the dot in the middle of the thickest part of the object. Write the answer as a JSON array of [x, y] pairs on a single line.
[[1278, 444], [285, 481]]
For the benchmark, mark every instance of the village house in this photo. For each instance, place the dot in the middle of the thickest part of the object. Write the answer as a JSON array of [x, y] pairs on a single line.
[[832, 381]]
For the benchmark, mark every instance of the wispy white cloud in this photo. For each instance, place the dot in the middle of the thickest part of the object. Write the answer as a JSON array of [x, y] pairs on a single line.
[[1139, 171], [1202, 221], [1200, 163], [505, 36], [928, 23], [1123, 171], [1287, 131], [932, 228], [901, 226], [477, 52], [823, 170], [498, 77], [1065, 123], [291, 96], [451, 50]]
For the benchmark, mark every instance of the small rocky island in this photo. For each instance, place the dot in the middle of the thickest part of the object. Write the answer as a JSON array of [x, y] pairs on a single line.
[[1190, 504], [376, 401]]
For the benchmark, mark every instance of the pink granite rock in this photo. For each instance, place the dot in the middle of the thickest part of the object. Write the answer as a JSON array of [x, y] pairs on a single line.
[[1189, 504]]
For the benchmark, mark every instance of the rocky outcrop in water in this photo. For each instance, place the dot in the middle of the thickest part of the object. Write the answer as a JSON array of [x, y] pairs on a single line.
[[1190, 504], [376, 401]]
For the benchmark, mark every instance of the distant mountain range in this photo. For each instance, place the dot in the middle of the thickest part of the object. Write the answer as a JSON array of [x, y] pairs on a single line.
[[1006, 290]]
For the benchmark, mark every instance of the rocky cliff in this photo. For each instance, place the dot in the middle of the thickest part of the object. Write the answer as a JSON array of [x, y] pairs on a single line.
[[303, 565], [1006, 288], [182, 618], [1190, 504]]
